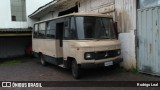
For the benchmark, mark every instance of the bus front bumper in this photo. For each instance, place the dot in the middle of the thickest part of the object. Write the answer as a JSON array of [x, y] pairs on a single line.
[[99, 63]]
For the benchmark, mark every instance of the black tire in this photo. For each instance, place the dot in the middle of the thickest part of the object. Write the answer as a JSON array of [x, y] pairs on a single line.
[[43, 62], [75, 70]]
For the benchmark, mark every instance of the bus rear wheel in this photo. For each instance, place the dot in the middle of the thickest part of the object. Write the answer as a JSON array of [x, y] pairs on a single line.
[[75, 69], [43, 62]]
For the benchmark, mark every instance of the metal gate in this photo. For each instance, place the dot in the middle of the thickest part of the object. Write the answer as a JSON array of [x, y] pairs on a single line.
[[148, 51]]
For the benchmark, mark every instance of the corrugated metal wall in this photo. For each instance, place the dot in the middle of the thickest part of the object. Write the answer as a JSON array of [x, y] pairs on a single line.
[[149, 40], [13, 46]]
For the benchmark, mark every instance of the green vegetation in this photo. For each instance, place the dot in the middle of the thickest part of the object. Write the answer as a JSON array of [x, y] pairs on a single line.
[[11, 62], [132, 70]]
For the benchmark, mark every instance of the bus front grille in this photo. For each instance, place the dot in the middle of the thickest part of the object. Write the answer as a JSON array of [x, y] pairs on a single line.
[[106, 54]]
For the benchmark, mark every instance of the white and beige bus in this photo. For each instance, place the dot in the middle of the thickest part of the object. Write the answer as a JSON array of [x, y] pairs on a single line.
[[77, 40]]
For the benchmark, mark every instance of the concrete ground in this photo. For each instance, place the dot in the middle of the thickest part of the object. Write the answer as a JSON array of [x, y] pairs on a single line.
[[32, 70]]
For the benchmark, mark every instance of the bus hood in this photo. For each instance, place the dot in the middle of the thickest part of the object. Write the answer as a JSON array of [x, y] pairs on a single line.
[[98, 45]]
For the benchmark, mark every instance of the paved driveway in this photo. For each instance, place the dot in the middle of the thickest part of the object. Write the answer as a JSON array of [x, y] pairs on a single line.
[[32, 70]]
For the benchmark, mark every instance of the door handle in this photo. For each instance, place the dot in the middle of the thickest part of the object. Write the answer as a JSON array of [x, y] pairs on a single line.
[[61, 43]]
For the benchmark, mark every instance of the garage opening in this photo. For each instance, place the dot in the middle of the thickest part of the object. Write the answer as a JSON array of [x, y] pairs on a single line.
[[71, 10], [14, 46]]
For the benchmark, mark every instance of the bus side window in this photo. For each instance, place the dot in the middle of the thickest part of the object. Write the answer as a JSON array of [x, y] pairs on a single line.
[[66, 35], [51, 27], [42, 30], [35, 34], [73, 34]]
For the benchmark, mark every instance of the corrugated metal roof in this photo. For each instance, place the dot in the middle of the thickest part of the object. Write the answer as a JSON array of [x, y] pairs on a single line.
[[50, 7], [41, 8]]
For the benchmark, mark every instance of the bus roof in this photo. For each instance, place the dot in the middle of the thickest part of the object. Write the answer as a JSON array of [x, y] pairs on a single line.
[[77, 14]]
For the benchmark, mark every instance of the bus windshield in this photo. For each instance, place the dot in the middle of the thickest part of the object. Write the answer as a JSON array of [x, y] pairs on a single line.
[[95, 28]]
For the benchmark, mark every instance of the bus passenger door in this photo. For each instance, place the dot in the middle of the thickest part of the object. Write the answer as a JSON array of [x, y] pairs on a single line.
[[59, 42]]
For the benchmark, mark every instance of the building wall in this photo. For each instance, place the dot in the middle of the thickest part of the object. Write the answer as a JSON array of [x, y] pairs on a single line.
[[49, 15], [15, 46], [5, 17], [126, 15], [126, 18]]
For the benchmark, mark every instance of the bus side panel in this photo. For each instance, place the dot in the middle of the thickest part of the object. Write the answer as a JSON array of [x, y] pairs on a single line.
[[68, 49], [45, 46]]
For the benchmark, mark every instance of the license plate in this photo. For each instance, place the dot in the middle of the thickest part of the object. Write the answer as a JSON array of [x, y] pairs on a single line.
[[108, 63]]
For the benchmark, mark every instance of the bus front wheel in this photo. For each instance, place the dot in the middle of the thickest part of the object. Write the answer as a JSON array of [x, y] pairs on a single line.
[[75, 69]]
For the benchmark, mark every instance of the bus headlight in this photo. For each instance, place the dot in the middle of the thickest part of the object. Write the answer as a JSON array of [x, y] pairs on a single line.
[[89, 56]]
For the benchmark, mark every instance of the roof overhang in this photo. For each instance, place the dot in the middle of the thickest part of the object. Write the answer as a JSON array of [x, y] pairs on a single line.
[[50, 7], [15, 32]]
